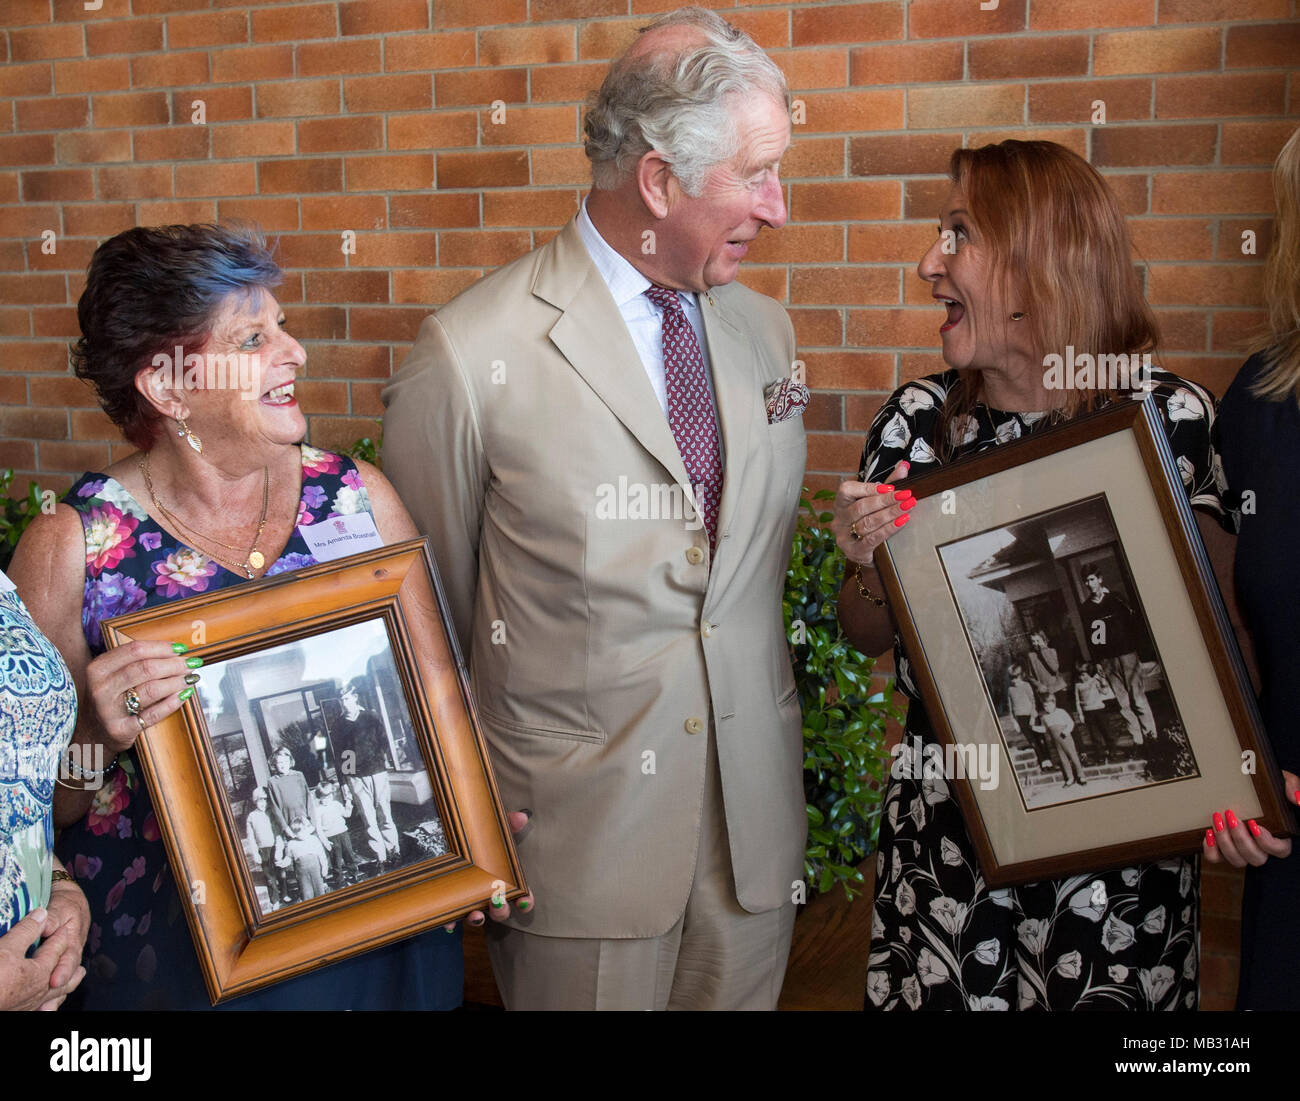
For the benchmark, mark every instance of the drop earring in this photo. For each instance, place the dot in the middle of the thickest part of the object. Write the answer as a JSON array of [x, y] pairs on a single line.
[[183, 431], [1018, 316]]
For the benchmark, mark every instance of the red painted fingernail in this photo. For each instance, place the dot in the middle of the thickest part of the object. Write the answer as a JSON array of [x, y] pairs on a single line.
[[1254, 827], [884, 489], [902, 494], [1209, 838], [901, 521], [1218, 821], [1296, 796], [904, 463], [1232, 821], [910, 503]]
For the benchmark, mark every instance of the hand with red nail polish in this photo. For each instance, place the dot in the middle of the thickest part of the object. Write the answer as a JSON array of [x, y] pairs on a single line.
[[1240, 843], [866, 514]]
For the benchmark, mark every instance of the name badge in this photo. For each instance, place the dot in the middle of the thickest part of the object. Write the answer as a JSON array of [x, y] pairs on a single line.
[[6, 586], [340, 536]]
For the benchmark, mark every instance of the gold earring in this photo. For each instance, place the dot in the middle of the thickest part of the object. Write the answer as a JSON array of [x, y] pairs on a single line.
[[183, 431], [1018, 316]]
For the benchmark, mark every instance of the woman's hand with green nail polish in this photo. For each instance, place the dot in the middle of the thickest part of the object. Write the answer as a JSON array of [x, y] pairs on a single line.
[[499, 908], [146, 676]]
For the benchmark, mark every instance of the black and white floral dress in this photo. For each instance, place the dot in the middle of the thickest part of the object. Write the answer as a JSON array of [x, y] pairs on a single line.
[[940, 939]]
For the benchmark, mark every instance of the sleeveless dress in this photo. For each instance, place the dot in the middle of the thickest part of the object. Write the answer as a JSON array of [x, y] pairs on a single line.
[[38, 711], [1126, 938], [139, 954], [1260, 443]]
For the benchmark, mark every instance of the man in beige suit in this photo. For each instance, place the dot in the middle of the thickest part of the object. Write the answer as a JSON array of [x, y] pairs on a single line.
[[584, 435]]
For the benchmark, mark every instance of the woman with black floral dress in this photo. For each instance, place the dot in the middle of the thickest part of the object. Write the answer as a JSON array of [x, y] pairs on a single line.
[[1032, 257]]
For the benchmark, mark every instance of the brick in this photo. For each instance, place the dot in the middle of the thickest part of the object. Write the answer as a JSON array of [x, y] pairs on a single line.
[[383, 16], [1154, 145], [252, 63], [9, 187], [769, 281], [430, 52], [835, 451], [56, 113], [97, 219], [454, 211], [203, 180], [825, 24], [441, 130], [92, 146], [20, 13], [903, 327], [322, 397], [1219, 96], [1072, 101], [359, 55], [133, 109], [825, 413], [811, 68], [769, 29], [469, 13], [845, 200], [1221, 11], [1175, 50], [173, 144], [431, 287], [153, 181], [553, 166], [340, 135], [481, 248], [529, 126], [100, 74], [1171, 238], [59, 185], [304, 174], [1131, 189], [505, 168], [28, 220], [817, 328], [13, 391], [346, 287], [902, 154], [366, 398], [404, 172], [841, 370], [252, 139], [167, 70], [566, 83], [906, 63], [316, 250], [865, 109], [27, 149], [373, 323], [1265, 46], [43, 43], [292, 23], [1211, 192], [63, 391], [543, 11], [1205, 285], [529, 208], [273, 215], [1018, 58], [815, 157], [943, 19], [1215, 373], [73, 456], [860, 409], [27, 80], [132, 36], [981, 105], [530, 45], [480, 87], [39, 424], [348, 360], [1235, 329], [795, 244], [844, 286], [292, 98], [338, 433], [339, 212], [394, 250], [220, 28], [606, 39], [402, 92], [897, 242], [1182, 330], [219, 104], [1253, 142], [93, 424], [1083, 15], [1230, 239]]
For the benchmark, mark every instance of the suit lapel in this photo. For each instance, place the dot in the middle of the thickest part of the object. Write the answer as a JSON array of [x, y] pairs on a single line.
[[739, 398], [593, 337]]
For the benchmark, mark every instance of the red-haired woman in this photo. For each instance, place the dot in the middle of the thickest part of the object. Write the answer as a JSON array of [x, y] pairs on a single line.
[[1259, 434], [1033, 257]]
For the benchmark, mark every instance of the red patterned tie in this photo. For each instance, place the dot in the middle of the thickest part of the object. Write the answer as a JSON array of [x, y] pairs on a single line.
[[690, 407]]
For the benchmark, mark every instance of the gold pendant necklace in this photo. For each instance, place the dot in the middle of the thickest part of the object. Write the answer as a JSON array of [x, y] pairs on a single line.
[[254, 559]]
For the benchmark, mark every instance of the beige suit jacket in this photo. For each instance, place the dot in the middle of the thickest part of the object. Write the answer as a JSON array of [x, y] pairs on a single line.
[[602, 646]]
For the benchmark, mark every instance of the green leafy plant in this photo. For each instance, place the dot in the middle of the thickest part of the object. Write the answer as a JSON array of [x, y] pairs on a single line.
[[367, 449], [15, 514], [844, 720]]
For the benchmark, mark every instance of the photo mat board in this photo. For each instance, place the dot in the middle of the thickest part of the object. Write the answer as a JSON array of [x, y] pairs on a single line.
[[1188, 657]]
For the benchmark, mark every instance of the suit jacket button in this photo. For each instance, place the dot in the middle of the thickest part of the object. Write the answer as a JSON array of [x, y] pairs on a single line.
[[707, 629], [694, 726], [694, 555]]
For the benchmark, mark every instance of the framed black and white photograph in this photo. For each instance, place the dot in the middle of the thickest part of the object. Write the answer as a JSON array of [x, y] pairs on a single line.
[[327, 790], [1057, 610]]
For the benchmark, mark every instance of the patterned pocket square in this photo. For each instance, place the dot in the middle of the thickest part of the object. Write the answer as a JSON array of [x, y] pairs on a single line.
[[786, 399]]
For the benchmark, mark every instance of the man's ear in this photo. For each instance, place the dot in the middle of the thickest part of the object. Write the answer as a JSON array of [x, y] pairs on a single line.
[[656, 183], [162, 385]]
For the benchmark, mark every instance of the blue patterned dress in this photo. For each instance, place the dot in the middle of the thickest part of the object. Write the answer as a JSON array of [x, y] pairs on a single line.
[[139, 954], [38, 711]]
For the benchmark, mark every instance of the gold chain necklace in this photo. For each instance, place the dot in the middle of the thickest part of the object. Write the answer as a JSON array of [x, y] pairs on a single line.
[[254, 559]]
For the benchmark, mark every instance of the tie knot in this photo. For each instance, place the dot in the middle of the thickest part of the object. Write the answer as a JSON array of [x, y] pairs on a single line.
[[664, 297]]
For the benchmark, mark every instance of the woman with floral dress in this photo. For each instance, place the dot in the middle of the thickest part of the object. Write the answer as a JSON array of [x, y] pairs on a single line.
[[218, 493], [1033, 256]]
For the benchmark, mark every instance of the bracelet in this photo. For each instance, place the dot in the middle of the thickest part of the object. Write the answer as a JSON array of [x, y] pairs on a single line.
[[60, 876], [864, 592], [78, 773]]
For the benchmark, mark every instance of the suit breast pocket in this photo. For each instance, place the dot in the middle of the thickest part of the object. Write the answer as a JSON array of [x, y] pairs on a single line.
[[787, 434]]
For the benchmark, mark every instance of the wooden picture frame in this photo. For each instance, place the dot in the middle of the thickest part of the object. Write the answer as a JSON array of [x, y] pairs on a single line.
[[372, 629], [990, 588]]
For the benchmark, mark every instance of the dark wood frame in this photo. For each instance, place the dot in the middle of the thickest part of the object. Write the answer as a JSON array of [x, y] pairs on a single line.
[[1142, 419], [241, 949]]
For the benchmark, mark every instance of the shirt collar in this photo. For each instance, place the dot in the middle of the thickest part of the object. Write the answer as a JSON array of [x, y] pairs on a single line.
[[624, 281]]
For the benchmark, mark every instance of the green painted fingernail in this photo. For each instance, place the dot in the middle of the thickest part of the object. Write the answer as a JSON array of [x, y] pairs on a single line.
[[186, 694], [497, 903], [193, 663], [523, 904], [179, 647]]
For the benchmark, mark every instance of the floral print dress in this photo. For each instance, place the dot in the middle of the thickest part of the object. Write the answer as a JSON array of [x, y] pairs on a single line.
[[139, 954], [940, 938]]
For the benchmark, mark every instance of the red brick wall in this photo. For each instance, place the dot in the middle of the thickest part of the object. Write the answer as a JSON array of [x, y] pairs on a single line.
[[375, 116]]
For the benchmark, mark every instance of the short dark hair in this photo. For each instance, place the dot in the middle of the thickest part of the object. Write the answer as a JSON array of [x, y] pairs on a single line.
[[149, 289]]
